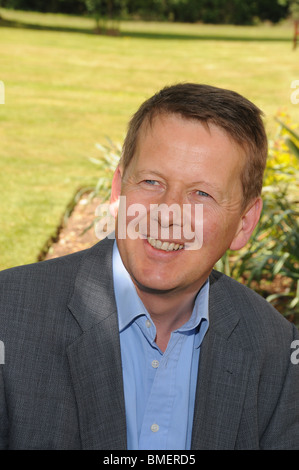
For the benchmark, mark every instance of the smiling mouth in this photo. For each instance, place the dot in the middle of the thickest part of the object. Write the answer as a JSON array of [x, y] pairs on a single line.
[[164, 246]]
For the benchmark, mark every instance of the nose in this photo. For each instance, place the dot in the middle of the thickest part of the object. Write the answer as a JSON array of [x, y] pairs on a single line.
[[171, 204], [167, 213]]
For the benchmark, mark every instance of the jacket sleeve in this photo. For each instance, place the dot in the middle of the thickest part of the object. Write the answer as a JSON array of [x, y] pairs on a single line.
[[282, 432], [3, 414]]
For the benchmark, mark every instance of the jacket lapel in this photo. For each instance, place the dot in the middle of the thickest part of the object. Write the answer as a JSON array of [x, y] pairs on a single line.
[[222, 377], [94, 357]]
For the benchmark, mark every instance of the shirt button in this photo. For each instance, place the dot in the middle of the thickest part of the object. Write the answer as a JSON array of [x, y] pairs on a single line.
[[154, 427], [155, 364], [148, 324]]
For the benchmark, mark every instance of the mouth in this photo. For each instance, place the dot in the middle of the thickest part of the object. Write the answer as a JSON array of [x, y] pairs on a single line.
[[163, 245]]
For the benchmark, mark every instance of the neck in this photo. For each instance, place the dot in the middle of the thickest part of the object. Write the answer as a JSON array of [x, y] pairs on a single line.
[[168, 312]]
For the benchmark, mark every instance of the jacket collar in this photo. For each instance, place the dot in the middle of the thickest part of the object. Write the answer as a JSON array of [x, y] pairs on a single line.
[[93, 287], [224, 317]]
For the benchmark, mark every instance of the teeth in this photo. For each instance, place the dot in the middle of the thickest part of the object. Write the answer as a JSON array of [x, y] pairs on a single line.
[[165, 246]]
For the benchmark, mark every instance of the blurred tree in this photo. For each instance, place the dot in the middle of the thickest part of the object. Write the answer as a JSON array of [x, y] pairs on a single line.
[[206, 11], [150, 9], [227, 11], [74, 7], [271, 10], [293, 8], [186, 10], [95, 8], [67, 6], [104, 10]]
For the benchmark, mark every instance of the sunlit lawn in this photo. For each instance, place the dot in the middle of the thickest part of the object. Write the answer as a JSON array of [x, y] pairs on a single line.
[[67, 88]]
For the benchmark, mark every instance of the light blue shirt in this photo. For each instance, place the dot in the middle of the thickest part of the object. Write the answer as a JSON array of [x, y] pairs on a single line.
[[159, 387]]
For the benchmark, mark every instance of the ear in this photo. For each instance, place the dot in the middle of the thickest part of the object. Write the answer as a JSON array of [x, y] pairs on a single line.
[[115, 191], [247, 224]]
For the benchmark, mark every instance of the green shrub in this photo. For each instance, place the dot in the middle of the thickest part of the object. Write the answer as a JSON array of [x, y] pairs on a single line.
[[106, 165], [270, 264]]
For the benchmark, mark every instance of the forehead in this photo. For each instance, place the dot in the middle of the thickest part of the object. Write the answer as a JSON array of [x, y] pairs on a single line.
[[176, 138]]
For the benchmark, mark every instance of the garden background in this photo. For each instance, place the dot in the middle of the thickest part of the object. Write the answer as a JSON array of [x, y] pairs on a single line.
[[73, 75]]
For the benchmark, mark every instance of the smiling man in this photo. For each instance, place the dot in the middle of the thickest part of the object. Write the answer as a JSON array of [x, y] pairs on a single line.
[[137, 343]]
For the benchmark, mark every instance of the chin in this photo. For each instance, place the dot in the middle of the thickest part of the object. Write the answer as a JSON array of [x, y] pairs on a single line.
[[153, 286]]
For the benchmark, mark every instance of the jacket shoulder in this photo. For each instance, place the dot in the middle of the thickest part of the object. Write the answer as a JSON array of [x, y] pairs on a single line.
[[38, 276], [258, 320]]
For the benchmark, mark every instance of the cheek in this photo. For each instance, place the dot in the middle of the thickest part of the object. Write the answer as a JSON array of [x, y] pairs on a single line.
[[215, 227], [219, 229]]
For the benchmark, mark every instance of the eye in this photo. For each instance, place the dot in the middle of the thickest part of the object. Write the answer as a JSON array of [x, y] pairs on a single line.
[[151, 182], [202, 193]]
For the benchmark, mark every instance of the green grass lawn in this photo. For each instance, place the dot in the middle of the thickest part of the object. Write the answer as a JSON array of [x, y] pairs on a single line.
[[67, 88]]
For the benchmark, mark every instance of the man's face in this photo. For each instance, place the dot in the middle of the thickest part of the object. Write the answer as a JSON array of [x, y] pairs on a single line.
[[179, 161]]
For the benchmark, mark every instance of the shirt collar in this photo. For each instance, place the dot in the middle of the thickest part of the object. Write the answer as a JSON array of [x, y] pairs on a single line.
[[130, 306]]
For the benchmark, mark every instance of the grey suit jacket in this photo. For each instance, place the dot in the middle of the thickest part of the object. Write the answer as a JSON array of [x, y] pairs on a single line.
[[61, 381]]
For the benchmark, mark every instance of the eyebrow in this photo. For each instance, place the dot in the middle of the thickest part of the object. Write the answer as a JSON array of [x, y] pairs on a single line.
[[152, 172]]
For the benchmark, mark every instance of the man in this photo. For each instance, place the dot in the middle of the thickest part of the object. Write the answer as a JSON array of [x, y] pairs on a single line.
[[137, 343]]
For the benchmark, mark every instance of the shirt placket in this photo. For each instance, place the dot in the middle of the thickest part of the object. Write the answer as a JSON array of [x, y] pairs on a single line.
[[159, 407]]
